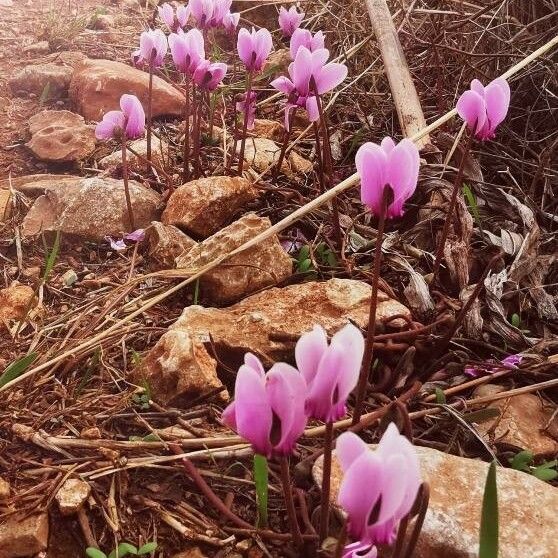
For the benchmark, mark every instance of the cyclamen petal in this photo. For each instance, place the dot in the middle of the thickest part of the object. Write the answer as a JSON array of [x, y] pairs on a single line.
[[348, 448], [209, 75], [112, 124], [309, 350], [360, 550], [303, 37], [134, 116], [330, 76], [153, 47], [254, 48]]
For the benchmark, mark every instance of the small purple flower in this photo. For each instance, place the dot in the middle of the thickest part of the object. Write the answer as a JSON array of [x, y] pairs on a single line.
[[378, 488], [135, 236], [187, 50], [174, 20], [222, 16], [310, 73], [209, 75], [290, 20], [117, 245], [384, 165], [153, 48], [268, 409], [129, 121], [254, 48], [303, 37], [331, 372], [230, 22], [484, 108], [492, 366], [249, 108]]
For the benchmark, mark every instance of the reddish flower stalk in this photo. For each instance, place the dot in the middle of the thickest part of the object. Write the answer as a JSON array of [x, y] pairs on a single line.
[[149, 111], [186, 148], [126, 186], [451, 209], [286, 139], [245, 125], [369, 346], [326, 482], [289, 501]]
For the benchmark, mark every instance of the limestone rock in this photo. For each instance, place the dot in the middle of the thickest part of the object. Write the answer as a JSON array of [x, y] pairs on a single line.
[[34, 185], [23, 537], [159, 149], [103, 22], [269, 323], [15, 300], [278, 62], [528, 522], [36, 78], [201, 207], [91, 208], [523, 423], [269, 129], [60, 135], [42, 47], [263, 265], [261, 153], [178, 369], [72, 495], [97, 86], [166, 243]]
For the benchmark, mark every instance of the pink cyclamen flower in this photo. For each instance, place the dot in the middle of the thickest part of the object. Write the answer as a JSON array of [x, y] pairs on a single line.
[[209, 75], [303, 37], [360, 550], [249, 108], [387, 164], [331, 372], [129, 121], [174, 20], [378, 488], [222, 16], [187, 50], [202, 10], [290, 20], [153, 48], [484, 108], [254, 48], [268, 409], [309, 74]]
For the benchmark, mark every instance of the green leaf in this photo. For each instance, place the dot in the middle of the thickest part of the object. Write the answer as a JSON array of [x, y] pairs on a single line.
[[440, 397], [515, 320], [94, 553], [136, 357], [303, 253], [304, 266], [522, 460], [196, 291], [52, 255], [488, 542], [544, 473], [472, 203], [122, 550], [17, 368], [261, 480], [147, 548]]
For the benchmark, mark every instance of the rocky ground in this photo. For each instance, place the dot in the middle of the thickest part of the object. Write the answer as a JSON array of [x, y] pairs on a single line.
[[126, 356]]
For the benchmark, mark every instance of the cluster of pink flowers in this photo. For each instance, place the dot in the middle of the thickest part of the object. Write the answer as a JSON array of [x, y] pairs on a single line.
[[271, 411]]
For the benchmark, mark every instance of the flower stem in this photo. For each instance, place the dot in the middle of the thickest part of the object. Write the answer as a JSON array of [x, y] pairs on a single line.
[[326, 482], [186, 152], [245, 126], [288, 495], [286, 138], [212, 108], [449, 215], [149, 111], [126, 186], [195, 131], [369, 347]]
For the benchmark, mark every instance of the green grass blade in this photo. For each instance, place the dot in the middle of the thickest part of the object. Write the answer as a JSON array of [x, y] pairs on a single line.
[[488, 543], [52, 255], [261, 480], [17, 368]]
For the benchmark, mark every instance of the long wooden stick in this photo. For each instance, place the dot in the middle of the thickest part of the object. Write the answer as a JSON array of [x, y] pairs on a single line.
[[281, 225], [405, 97]]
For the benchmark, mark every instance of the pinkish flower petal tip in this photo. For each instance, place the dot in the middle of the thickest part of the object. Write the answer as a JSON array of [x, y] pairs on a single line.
[[380, 166], [187, 50], [128, 122], [383, 483], [254, 48], [153, 49], [485, 108], [116, 244], [360, 550], [331, 371], [290, 20], [209, 75], [174, 20], [135, 236], [492, 366], [268, 409], [303, 37]]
